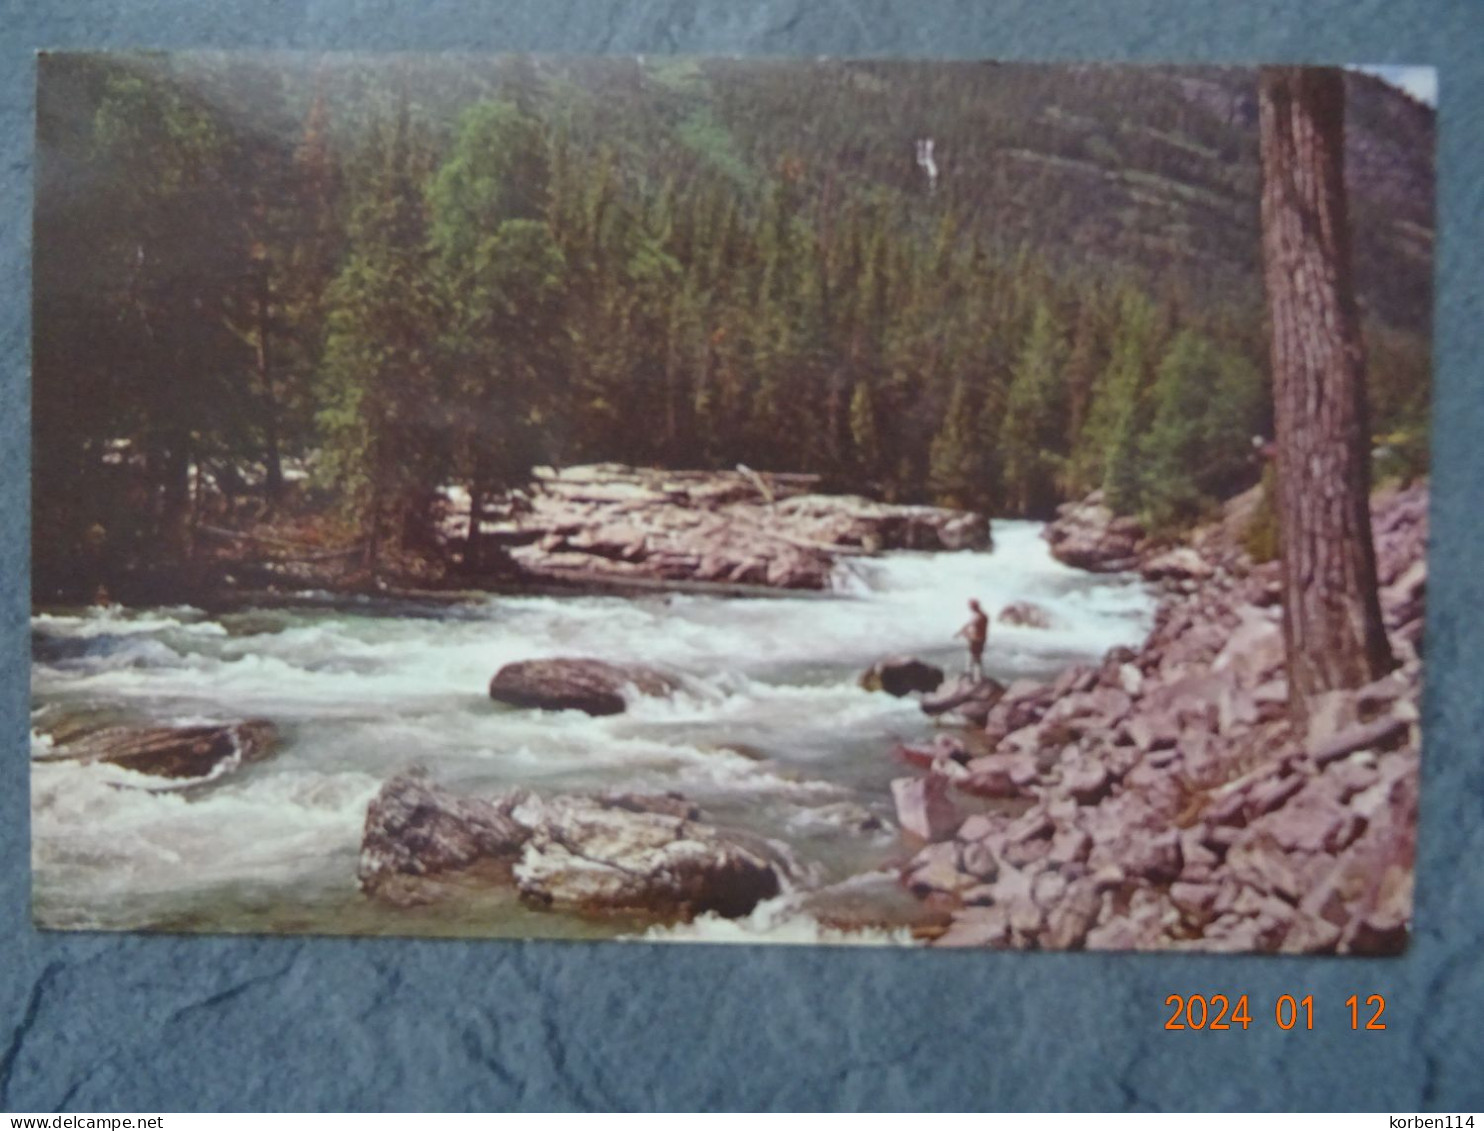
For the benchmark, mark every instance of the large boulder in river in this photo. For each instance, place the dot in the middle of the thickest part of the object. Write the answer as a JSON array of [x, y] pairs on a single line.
[[594, 686], [610, 853], [416, 830], [181, 754], [901, 675], [592, 855], [1088, 535]]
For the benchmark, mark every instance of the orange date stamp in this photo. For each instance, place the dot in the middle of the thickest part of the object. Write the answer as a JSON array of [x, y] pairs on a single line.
[[1205, 1012]]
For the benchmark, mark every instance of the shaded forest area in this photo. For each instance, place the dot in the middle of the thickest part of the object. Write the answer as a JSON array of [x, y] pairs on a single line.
[[317, 290]]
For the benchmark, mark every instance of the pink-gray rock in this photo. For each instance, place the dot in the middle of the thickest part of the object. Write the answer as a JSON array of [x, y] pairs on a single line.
[[1156, 857], [992, 776], [415, 829], [1072, 916], [924, 807], [936, 869], [595, 858], [594, 686], [1179, 564], [978, 927], [1253, 652], [1154, 731], [1088, 782], [1087, 535], [978, 860]]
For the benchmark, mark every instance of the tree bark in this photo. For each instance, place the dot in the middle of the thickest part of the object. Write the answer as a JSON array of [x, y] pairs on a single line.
[[1331, 610]]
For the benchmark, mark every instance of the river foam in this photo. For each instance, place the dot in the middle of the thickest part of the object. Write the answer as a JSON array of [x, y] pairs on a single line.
[[769, 722]]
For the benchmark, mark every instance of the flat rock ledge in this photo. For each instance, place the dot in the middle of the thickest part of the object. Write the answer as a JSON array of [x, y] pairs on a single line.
[[565, 684], [612, 524], [179, 755], [616, 853], [1162, 800]]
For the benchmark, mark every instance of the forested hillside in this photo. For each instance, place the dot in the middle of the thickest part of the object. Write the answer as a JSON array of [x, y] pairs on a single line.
[[404, 273]]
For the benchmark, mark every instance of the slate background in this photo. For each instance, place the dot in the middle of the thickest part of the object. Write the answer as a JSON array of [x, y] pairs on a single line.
[[121, 1023]]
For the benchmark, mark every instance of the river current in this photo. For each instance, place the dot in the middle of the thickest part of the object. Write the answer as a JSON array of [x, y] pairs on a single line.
[[770, 732]]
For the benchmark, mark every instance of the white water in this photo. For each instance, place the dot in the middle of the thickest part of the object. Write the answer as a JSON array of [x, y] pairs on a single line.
[[770, 727]]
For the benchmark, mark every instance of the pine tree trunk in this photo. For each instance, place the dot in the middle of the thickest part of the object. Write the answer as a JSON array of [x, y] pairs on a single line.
[[1331, 611]]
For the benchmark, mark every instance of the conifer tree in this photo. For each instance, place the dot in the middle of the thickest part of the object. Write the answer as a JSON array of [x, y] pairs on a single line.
[[864, 432], [1033, 412], [954, 458], [385, 443]]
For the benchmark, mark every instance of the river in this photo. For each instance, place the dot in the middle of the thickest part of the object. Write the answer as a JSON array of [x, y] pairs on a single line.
[[770, 730]]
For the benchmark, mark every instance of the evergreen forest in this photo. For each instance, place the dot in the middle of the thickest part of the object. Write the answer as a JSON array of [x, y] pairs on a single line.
[[328, 287]]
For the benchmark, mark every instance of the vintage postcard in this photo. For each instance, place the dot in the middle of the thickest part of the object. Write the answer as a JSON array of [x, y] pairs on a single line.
[[916, 503]]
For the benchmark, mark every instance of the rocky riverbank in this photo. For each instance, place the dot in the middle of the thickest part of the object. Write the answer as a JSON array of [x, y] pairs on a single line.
[[611, 524], [1162, 800]]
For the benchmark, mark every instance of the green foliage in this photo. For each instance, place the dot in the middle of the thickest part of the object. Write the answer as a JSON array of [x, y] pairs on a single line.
[[865, 433], [1034, 415], [1107, 448], [1399, 386], [955, 458], [703, 133], [1206, 407], [675, 262], [498, 170], [382, 423], [503, 279]]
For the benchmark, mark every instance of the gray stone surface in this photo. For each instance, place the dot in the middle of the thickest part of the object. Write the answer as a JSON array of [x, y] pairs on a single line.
[[121, 1023]]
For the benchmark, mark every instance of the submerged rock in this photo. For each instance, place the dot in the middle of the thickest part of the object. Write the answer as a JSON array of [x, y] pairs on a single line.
[[179, 754], [1025, 614], [615, 852], [594, 686]]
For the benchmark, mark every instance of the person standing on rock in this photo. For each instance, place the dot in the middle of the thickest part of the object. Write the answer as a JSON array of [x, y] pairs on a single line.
[[976, 633]]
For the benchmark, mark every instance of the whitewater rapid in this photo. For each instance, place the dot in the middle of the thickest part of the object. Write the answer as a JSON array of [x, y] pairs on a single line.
[[769, 729]]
